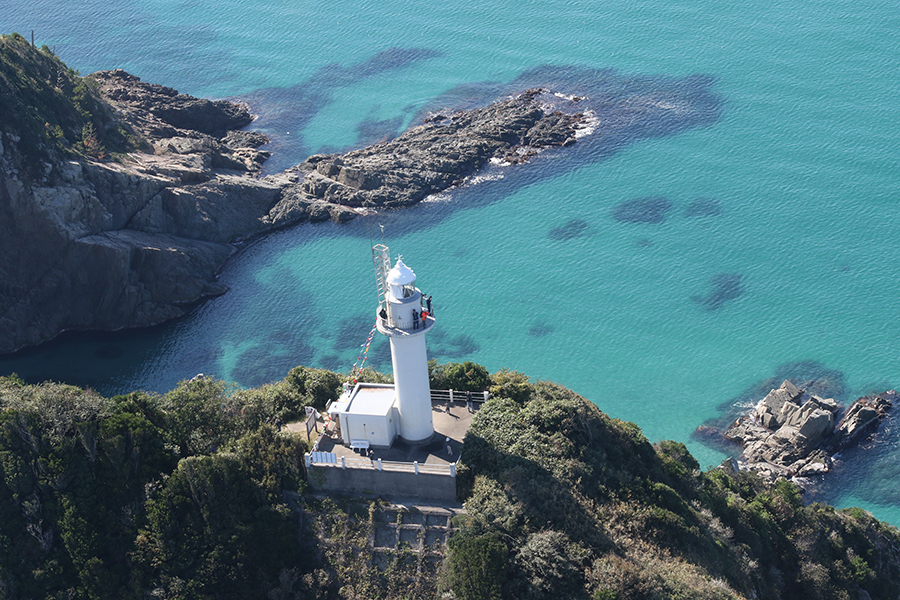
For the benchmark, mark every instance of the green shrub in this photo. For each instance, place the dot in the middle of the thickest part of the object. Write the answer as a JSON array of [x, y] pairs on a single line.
[[210, 527], [512, 385], [465, 376], [195, 415], [476, 567], [370, 375], [319, 386], [551, 565]]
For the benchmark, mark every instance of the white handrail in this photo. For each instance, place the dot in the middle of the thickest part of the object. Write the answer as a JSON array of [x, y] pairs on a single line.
[[386, 465]]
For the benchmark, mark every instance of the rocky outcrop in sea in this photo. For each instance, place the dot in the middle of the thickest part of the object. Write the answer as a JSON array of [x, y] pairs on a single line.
[[794, 434]]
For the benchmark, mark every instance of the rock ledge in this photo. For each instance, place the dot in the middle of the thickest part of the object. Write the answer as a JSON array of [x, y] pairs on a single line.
[[131, 242], [790, 433]]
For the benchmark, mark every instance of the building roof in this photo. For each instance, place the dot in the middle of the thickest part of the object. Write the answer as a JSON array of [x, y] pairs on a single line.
[[371, 399]]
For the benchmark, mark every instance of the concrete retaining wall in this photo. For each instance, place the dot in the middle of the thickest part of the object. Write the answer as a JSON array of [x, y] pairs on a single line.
[[427, 486]]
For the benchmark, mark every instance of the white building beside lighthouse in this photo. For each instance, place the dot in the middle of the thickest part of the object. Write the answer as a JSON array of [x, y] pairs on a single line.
[[375, 414]]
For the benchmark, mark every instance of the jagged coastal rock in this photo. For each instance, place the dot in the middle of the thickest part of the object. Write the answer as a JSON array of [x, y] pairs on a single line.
[[440, 153], [120, 200], [94, 243], [791, 433]]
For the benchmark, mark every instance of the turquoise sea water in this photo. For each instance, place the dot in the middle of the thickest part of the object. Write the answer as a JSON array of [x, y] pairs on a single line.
[[793, 243]]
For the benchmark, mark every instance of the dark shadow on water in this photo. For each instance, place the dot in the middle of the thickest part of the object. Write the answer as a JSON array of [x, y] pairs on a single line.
[[541, 329], [285, 112], [725, 288], [332, 362], [270, 362], [649, 209], [93, 359], [571, 229], [446, 347], [350, 347], [380, 355], [644, 102], [373, 131], [703, 207], [353, 331], [108, 352], [650, 106]]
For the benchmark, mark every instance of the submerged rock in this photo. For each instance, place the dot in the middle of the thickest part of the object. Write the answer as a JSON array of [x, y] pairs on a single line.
[[703, 207], [571, 229], [650, 209], [541, 329], [725, 287]]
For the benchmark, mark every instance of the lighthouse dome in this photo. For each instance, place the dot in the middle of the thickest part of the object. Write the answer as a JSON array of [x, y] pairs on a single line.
[[402, 281], [401, 274]]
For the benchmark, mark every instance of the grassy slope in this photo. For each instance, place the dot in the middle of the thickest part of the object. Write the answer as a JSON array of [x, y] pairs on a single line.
[[51, 108], [586, 507]]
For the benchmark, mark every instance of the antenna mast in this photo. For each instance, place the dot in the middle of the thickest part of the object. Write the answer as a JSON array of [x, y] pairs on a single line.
[[381, 258]]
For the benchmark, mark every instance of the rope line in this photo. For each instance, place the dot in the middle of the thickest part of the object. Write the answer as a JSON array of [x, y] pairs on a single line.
[[363, 355]]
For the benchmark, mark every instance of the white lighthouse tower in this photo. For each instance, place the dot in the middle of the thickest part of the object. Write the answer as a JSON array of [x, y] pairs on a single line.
[[400, 318]]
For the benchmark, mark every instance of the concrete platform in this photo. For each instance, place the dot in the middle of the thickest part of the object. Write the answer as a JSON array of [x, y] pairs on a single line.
[[451, 420]]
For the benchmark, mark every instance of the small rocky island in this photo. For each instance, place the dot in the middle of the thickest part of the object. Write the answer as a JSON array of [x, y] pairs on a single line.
[[794, 434]]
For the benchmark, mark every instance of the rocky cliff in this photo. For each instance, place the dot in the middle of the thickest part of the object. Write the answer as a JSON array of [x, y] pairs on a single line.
[[84, 245], [95, 238], [120, 200]]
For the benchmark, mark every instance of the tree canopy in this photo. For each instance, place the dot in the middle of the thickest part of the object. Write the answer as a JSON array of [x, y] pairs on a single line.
[[196, 494]]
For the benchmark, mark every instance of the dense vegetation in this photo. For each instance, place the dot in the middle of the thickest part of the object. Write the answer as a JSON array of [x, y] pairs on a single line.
[[576, 504], [183, 495], [194, 494], [51, 109]]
